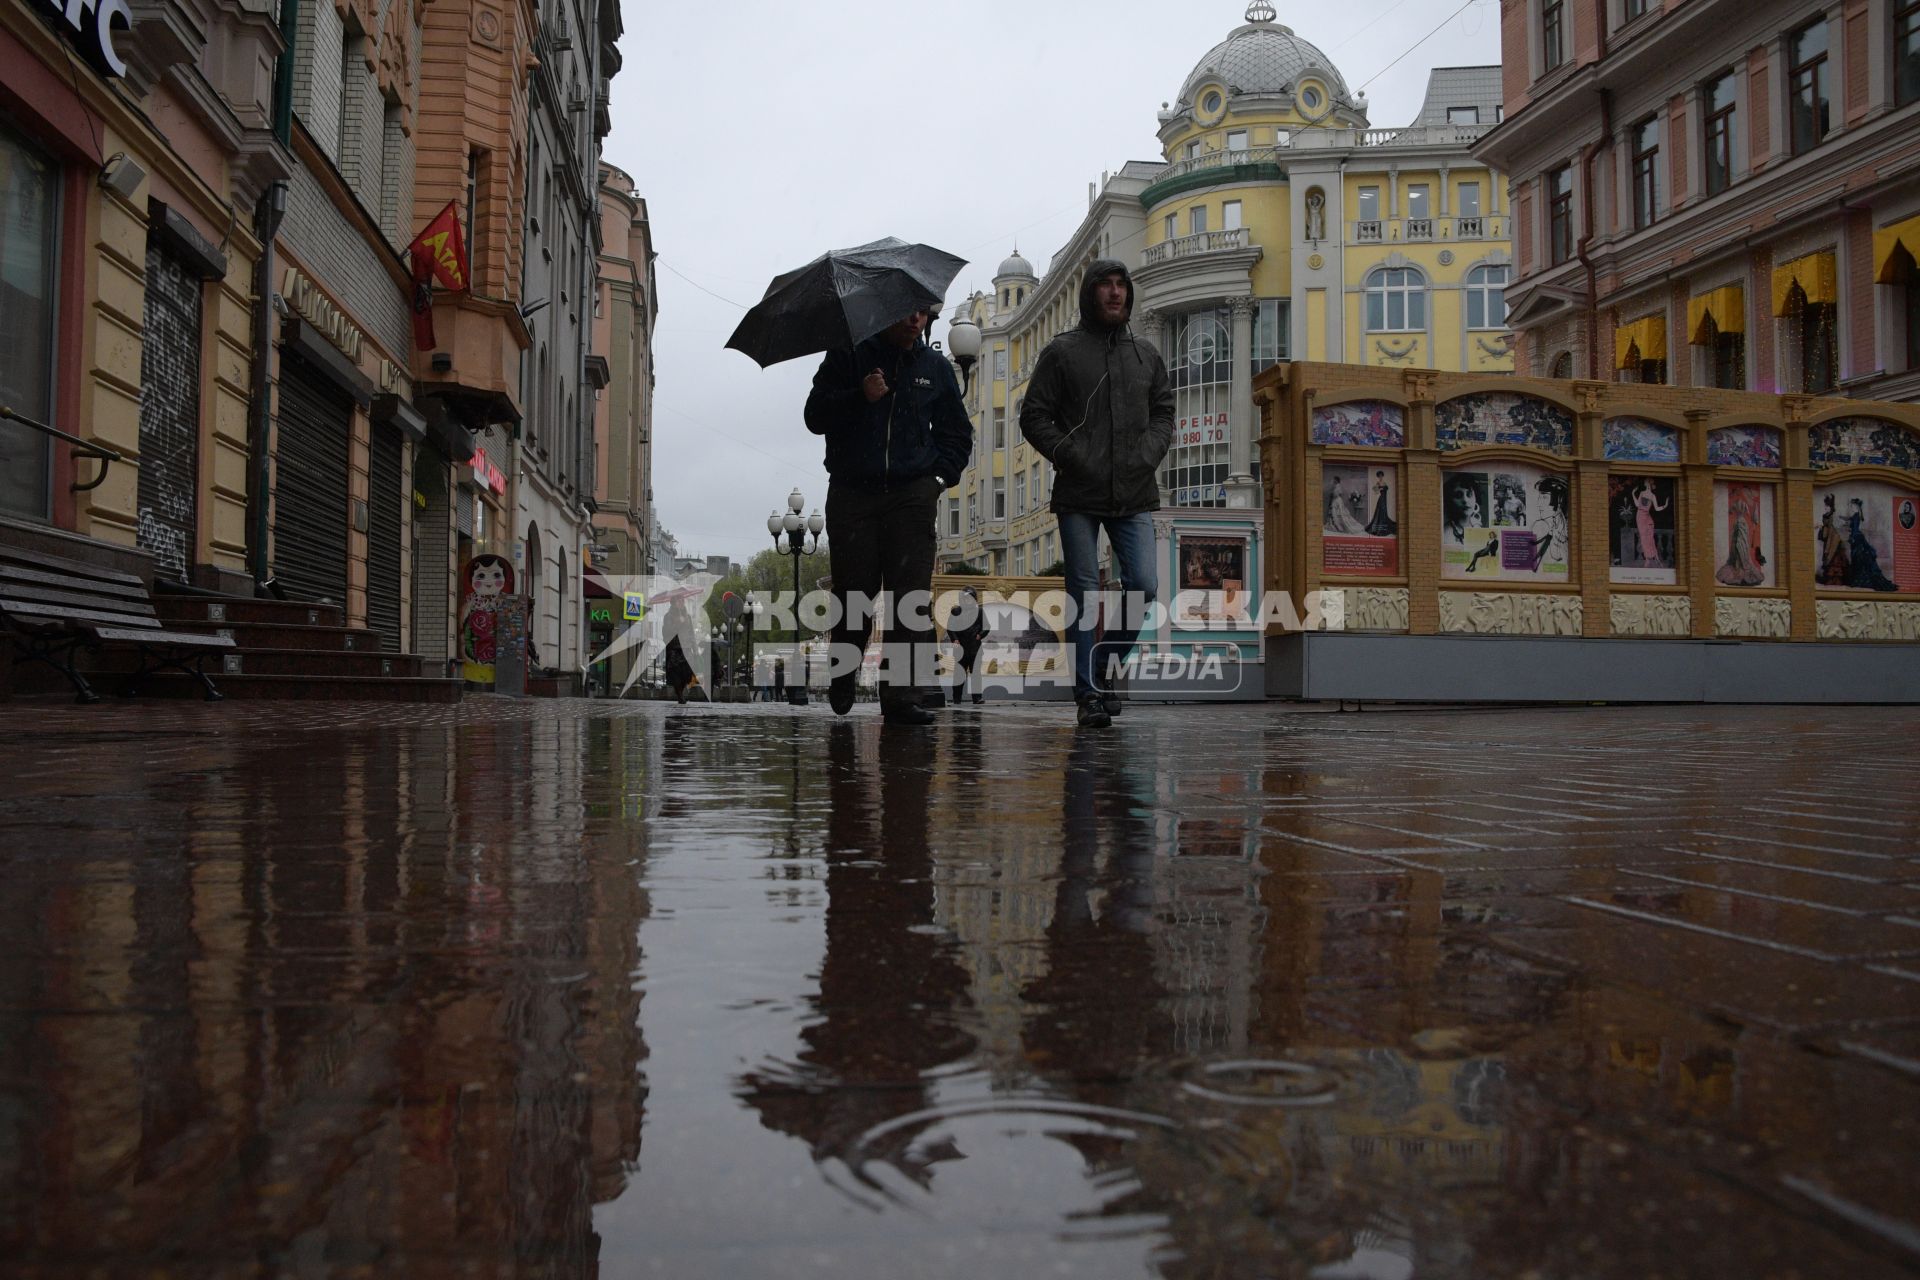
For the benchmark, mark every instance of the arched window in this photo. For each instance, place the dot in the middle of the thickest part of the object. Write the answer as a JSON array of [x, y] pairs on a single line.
[[1396, 301], [1562, 366], [1487, 298]]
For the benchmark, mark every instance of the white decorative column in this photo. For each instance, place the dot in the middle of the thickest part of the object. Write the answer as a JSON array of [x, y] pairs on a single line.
[[1242, 491]]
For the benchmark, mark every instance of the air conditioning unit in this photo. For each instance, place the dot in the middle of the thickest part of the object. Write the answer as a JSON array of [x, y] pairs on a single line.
[[562, 36]]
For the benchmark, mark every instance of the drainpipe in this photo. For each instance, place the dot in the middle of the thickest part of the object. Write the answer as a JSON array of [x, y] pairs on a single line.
[[1587, 154], [267, 214]]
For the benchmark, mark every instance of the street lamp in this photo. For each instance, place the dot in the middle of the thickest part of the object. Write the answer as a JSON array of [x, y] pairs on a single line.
[[803, 538], [963, 341]]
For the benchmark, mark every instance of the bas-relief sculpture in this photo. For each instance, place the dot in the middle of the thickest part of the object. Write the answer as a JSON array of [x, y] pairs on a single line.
[[1510, 613], [1752, 616], [1365, 609], [1868, 620], [1646, 615]]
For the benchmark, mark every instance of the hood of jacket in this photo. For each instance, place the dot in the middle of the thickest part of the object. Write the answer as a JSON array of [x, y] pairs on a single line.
[[1089, 309]]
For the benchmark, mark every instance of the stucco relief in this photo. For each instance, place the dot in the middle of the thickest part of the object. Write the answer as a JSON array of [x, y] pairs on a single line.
[[1641, 615], [1510, 613], [1366, 609], [1868, 620], [1752, 616]]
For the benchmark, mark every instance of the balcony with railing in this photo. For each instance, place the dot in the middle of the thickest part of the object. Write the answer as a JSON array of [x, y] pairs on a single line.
[[1194, 246], [1418, 230]]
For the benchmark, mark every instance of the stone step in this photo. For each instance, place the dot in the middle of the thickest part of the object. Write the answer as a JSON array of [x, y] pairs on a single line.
[[306, 688], [227, 610], [286, 635]]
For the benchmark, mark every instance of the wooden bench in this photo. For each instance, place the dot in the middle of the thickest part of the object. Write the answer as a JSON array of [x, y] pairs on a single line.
[[53, 607]]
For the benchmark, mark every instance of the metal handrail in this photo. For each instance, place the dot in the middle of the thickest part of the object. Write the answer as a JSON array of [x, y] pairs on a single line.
[[87, 448]]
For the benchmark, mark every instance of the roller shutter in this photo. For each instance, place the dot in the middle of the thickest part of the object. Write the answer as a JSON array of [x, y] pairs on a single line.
[[384, 526], [310, 485], [169, 412]]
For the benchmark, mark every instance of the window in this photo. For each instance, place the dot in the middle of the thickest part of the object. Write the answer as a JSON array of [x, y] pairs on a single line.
[[1197, 219], [1646, 172], [1560, 215], [973, 510], [1631, 9], [1396, 301], [1020, 493], [1726, 358], [1000, 364], [1020, 561], [1562, 366], [1237, 140], [1906, 51], [1469, 199], [953, 517], [1173, 225], [1463, 115], [1814, 335], [1193, 150], [1230, 215], [473, 195], [1271, 332], [1716, 100], [999, 428], [1033, 485], [1019, 407], [1910, 309], [29, 255], [1553, 35], [1807, 85], [1487, 298], [1199, 356], [999, 497], [1369, 204], [1418, 201]]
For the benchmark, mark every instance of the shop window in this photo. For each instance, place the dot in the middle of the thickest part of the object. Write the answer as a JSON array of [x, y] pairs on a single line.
[[1560, 215], [1808, 86], [1717, 104], [1396, 301], [29, 256], [1487, 298]]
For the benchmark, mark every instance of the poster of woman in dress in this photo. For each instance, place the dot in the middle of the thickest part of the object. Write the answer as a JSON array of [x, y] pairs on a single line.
[[1743, 534], [1360, 526], [1511, 525], [1865, 537], [1640, 529]]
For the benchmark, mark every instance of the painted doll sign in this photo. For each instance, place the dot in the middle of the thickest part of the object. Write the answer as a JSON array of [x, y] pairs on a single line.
[[485, 581]]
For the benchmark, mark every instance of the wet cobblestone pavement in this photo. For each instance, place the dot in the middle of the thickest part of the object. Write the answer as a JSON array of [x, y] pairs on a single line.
[[566, 989]]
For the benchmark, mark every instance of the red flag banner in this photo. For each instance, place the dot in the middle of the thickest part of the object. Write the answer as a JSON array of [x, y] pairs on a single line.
[[438, 251]]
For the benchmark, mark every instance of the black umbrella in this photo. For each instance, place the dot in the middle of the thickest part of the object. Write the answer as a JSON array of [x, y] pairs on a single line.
[[843, 297]]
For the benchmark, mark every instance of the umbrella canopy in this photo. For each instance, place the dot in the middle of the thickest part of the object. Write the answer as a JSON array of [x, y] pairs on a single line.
[[843, 297]]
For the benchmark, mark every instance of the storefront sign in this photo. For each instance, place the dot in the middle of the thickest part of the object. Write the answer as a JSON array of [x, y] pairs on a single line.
[[318, 310], [486, 473], [91, 24]]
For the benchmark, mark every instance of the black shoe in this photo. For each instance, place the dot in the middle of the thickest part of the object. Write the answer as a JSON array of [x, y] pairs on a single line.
[[1111, 701], [1093, 712], [979, 698], [840, 694], [907, 713]]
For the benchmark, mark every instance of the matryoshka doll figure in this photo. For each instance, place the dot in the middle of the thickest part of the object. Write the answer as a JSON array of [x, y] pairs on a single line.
[[483, 582]]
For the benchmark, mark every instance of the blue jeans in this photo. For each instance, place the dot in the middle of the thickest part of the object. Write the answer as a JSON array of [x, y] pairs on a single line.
[[1132, 539]]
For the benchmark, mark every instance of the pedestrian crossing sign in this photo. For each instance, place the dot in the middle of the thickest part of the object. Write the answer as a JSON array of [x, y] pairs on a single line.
[[636, 605]]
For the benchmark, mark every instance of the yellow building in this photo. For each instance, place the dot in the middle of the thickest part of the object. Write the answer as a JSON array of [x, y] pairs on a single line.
[[1276, 225]]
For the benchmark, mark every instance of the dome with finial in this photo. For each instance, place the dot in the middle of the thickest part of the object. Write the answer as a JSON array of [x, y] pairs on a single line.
[[1263, 57], [1015, 267]]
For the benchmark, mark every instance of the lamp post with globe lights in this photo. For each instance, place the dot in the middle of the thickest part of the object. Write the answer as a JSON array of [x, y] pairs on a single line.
[[963, 344], [804, 537]]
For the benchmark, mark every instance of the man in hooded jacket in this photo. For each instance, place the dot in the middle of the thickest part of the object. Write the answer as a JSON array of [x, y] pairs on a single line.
[[1100, 409], [897, 437]]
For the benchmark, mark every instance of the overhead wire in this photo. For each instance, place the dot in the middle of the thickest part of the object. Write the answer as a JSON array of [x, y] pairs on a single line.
[[1416, 44]]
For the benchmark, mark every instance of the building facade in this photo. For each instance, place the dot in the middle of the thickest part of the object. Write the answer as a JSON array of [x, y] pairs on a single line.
[[137, 145], [1277, 224], [1715, 194]]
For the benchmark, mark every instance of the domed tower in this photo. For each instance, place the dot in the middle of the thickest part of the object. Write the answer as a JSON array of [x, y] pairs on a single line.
[[1013, 282], [1261, 70]]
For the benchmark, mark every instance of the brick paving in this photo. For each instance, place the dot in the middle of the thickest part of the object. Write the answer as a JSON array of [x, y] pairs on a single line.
[[551, 988]]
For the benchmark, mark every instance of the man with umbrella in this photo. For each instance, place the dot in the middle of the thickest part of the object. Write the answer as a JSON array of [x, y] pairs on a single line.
[[897, 437]]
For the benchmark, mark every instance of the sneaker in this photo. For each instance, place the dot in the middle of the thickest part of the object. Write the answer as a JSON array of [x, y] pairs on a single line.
[[1111, 701], [840, 694], [907, 713], [1093, 712]]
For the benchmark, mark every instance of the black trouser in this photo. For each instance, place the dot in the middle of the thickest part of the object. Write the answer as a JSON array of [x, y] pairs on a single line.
[[963, 664], [882, 541]]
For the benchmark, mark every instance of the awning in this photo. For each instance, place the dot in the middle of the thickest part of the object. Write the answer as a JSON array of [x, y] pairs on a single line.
[[1887, 241], [1725, 306], [1648, 335], [1815, 276]]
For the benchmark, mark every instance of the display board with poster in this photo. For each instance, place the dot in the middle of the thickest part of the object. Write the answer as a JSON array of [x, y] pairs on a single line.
[[1866, 537], [1216, 566], [1743, 534], [1508, 523], [1642, 524], [1360, 529]]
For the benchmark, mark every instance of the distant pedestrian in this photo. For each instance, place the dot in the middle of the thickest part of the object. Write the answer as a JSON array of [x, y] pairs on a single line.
[[1100, 409], [967, 629], [779, 680], [676, 660], [897, 436]]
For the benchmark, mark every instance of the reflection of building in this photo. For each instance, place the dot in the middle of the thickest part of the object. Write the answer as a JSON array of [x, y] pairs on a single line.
[[1277, 224], [1575, 511], [1662, 167]]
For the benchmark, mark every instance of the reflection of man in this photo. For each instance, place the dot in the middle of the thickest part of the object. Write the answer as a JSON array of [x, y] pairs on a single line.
[[967, 628], [897, 436], [1100, 409]]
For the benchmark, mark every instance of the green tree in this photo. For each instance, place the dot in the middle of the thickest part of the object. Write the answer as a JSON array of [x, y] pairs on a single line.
[[769, 573]]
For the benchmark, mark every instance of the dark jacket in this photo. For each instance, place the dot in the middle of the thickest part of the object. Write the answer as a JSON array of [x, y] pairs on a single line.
[[1100, 409], [918, 429]]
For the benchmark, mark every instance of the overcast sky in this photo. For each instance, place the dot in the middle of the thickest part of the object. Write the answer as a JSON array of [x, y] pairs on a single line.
[[763, 133]]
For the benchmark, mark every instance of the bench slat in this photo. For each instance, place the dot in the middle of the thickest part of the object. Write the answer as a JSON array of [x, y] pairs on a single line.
[[36, 613], [184, 639], [88, 600], [13, 573], [66, 567]]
